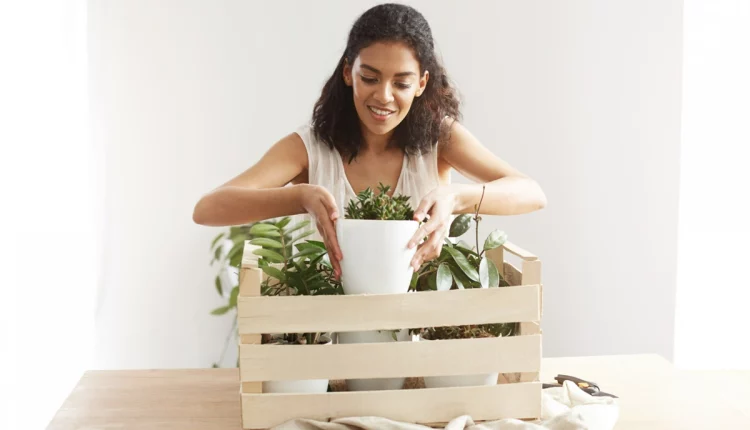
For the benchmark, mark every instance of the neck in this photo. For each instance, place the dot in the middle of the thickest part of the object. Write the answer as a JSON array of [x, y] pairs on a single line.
[[376, 143]]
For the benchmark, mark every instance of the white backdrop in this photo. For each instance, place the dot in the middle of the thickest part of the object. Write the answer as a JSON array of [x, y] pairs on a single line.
[[582, 95]]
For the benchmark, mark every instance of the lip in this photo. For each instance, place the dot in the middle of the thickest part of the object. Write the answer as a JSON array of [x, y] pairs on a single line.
[[378, 117]]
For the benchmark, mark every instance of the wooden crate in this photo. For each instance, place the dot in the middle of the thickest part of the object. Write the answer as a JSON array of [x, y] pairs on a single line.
[[517, 358]]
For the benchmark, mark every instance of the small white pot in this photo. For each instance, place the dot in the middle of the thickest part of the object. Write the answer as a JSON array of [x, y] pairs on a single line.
[[376, 259], [459, 380], [375, 384], [298, 385]]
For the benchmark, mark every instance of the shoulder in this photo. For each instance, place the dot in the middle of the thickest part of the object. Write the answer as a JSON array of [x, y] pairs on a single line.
[[455, 137]]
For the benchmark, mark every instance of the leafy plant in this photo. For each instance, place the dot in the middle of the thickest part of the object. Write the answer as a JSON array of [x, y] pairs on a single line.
[[293, 268], [379, 206], [460, 266]]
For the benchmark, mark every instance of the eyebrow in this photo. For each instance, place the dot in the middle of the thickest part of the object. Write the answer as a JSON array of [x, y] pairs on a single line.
[[372, 69]]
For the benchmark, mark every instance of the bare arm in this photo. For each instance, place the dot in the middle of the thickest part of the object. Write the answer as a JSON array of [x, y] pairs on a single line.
[[507, 192], [258, 193]]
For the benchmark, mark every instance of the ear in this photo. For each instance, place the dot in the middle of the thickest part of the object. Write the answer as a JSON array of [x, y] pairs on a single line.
[[347, 73], [423, 83]]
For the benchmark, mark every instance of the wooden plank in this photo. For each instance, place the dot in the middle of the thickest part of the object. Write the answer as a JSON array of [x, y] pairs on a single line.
[[300, 314], [519, 252], [250, 279], [511, 274], [249, 260], [390, 360], [532, 275], [416, 406]]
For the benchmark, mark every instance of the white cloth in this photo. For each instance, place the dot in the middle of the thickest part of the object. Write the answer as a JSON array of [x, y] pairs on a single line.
[[564, 408], [419, 173]]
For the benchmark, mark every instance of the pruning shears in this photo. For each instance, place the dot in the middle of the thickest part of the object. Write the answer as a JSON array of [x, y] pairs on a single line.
[[589, 387]]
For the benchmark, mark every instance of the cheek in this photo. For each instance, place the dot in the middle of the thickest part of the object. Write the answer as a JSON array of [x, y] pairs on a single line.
[[404, 102]]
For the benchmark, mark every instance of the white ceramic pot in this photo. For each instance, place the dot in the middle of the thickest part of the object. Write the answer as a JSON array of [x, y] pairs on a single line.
[[376, 259], [458, 380], [375, 384], [298, 385]]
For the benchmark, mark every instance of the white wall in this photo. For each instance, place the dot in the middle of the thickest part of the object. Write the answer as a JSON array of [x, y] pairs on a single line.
[[713, 289], [583, 95], [48, 221]]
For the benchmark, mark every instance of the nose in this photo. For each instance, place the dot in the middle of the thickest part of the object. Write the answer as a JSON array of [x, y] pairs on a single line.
[[383, 94]]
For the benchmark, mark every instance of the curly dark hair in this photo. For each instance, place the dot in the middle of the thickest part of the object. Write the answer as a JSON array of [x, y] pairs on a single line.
[[335, 120]]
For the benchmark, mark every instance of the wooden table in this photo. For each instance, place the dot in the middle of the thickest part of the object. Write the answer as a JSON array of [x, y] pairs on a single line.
[[652, 396]]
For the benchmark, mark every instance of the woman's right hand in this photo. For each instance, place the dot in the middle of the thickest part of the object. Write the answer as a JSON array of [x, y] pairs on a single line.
[[318, 202]]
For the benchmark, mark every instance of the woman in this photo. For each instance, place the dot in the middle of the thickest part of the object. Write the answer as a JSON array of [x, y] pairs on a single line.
[[387, 114]]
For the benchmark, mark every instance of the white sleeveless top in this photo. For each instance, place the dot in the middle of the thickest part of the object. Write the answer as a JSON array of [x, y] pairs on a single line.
[[419, 173]]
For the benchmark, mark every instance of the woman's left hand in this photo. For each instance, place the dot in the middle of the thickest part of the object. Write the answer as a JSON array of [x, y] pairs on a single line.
[[439, 204]]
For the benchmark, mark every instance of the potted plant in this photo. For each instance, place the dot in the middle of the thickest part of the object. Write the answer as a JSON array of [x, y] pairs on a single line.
[[293, 269], [460, 266], [373, 237]]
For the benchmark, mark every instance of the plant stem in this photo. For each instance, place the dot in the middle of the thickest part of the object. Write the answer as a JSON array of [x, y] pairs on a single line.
[[476, 220], [226, 342]]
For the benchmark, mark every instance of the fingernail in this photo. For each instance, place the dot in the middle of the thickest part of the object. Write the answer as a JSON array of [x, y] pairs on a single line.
[[334, 215]]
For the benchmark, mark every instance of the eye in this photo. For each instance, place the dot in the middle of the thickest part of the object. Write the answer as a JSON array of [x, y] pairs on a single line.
[[403, 85], [367, 80]]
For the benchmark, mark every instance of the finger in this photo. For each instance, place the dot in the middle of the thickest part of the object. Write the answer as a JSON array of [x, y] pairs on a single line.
[[423, 209], [330, 233], [425, 230], [331, 208], [331, 256], [428, 251]]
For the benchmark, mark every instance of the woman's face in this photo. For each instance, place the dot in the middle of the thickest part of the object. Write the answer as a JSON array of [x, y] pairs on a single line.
[[385, 79]]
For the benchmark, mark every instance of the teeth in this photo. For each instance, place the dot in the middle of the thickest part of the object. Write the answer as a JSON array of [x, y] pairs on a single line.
[[378, 111]]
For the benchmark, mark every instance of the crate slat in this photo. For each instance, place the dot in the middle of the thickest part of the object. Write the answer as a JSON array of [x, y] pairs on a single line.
[[299, 314], [493, 402], [389, 360], [519, 252]]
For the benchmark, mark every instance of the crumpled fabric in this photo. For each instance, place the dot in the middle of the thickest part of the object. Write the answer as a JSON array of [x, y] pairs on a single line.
[[563, 408]]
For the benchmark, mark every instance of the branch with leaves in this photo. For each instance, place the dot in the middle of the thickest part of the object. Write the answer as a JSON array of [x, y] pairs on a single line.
[[293, 268], [461, 266]]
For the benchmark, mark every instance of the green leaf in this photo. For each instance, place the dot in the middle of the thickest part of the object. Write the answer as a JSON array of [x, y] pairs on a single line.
[[274, 273], [218, 286], [414, 279], [297, 226], [233, 296], [464, 264], [272, 256], [302, 236], [217, 239], [221, 311], [317, 243], [283, 223], [444, 277], [457, 276], [432, 281], [488, 274], [265, 242], [460, 225], [495, 239], [306, 252], [305, 245], [263, 228], [270, 234], [217, 254]]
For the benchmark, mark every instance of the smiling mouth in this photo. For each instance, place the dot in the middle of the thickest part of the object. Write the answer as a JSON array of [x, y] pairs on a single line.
[[380, 113]]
